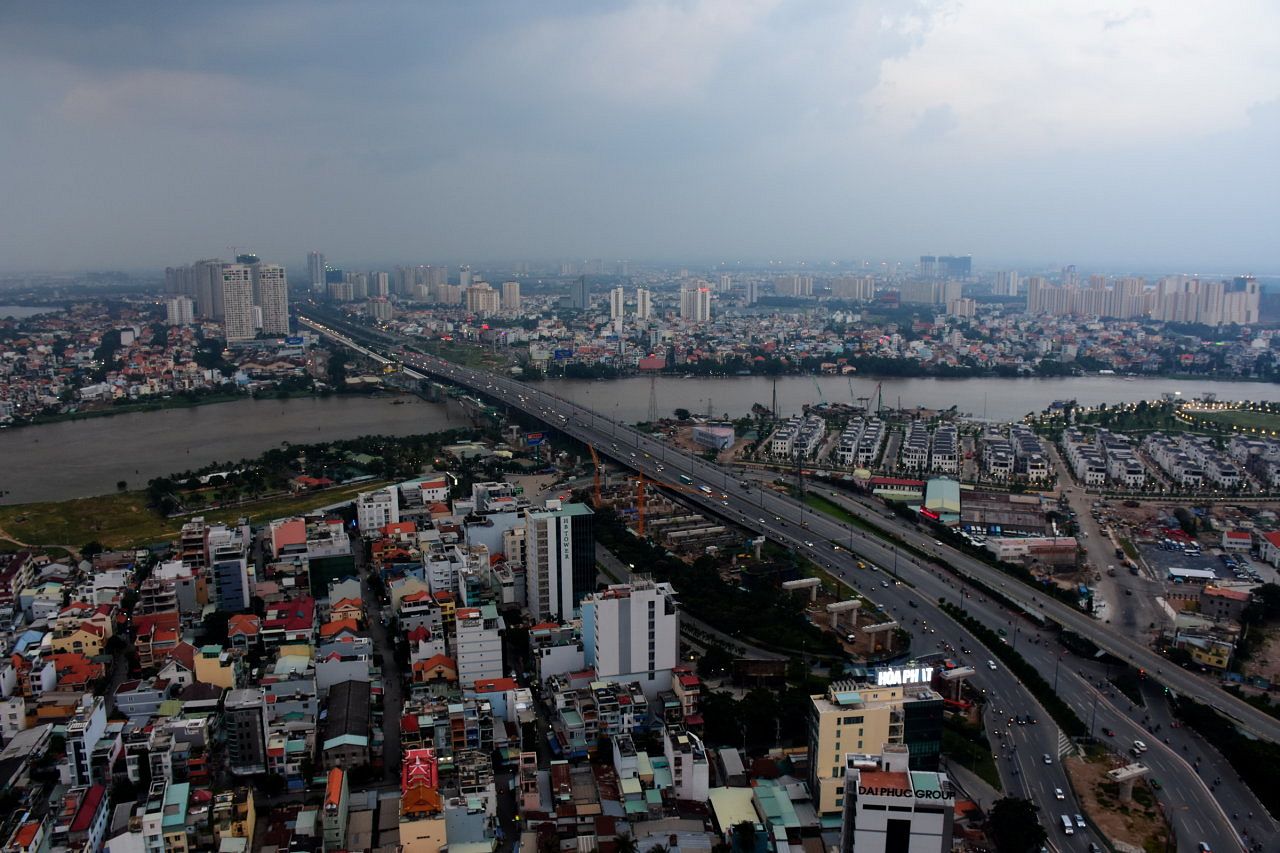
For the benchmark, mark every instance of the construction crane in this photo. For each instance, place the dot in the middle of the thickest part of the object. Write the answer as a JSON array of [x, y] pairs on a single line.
[[642, 481], [595, 473], [821, 397], [879, 398]]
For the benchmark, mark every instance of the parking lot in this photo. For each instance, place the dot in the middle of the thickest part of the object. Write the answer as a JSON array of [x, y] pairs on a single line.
[[1163, 559]]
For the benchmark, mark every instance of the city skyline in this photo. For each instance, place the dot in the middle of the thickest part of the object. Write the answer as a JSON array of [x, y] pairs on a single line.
[[1069, 135]]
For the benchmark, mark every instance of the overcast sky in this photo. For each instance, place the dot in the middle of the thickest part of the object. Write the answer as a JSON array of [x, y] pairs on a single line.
[[1057, 131]]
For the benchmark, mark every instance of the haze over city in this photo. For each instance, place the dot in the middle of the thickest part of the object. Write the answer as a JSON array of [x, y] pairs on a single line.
[[1113, 135]]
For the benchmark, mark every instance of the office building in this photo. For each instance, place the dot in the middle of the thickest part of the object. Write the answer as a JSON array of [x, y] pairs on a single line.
[[271, 294], [561, 559], [695, 304], [889, 808], [580, 294], [315, 271], [617, 303], [244, 721], [237, 302], [631, 632], [896, 707], [511, 296], [477, 644], [644, 304], [180, 311]]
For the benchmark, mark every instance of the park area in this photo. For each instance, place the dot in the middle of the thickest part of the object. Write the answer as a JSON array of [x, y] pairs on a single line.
[[1239, 419], [124, 520]]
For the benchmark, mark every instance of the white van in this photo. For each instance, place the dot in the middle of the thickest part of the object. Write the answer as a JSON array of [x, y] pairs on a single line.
[[1068, 828]]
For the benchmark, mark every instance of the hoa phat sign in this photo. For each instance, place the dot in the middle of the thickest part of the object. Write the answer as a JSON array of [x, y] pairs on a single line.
[[896, 676]]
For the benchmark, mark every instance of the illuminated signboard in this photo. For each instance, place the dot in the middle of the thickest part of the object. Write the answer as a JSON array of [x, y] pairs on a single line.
[[904, 675]]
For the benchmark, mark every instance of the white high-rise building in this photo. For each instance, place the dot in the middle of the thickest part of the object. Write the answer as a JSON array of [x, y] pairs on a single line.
[[511, 296], [482, 299], [631, 632], [1006, 283], [380, 284], [477, 644], [271, 294], [644, 304], [559, 559], [726, 283], [375, 510], [617, 303], [315, 271], [464, 276], [180, 311], [695, 304], [237, 302]]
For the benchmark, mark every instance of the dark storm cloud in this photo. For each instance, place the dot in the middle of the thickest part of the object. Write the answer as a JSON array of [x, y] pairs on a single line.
[[144, 133]]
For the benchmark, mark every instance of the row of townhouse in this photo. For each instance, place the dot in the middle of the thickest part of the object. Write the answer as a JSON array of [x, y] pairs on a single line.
[[860, 442], [1086, 459], [800, 437], [938, 452], [1193, 461]]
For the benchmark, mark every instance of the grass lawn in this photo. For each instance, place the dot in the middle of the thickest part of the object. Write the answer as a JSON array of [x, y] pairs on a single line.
[[1241, 418], [123, 519]]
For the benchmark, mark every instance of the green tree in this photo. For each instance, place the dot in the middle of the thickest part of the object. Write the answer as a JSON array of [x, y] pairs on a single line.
[[1015, 826]]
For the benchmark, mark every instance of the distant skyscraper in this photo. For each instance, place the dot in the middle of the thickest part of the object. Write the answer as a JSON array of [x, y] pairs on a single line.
[[237, 301], [644, 305], [753, 292], [695, 304], [180, 311], [271, 294], [315, 271], [464, 276], [580, 294], [511, 296], [482, 299], [726, 283], [1006, 283], [380, 284], [617, 303]]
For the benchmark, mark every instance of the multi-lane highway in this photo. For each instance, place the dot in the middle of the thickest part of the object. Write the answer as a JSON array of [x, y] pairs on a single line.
[[1195, 814]]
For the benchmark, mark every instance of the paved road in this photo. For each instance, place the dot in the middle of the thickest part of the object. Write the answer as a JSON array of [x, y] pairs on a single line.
[[392, 678]]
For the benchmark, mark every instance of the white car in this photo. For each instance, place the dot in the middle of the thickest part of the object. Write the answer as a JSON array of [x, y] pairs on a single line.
[[1057, 793], [991, 665]]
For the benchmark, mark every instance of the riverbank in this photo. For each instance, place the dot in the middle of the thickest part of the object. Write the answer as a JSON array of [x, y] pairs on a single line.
[[180, 402], [123, 520]]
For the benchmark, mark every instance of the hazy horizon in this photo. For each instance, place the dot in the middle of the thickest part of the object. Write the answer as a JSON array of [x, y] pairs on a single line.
[[1115, 136]]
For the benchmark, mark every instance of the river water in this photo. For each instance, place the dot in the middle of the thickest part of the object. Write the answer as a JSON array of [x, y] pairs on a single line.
[[991, 398], [74, 459], [88, 457]]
